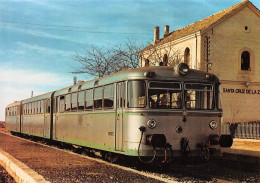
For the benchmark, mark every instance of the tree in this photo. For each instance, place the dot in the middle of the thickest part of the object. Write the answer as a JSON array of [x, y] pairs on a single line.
[[101, 62], [165, 55]]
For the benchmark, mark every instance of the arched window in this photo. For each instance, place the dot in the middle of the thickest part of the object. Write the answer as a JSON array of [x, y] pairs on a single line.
[[146, 63], [245, 60], [187, 56], [165, 60]]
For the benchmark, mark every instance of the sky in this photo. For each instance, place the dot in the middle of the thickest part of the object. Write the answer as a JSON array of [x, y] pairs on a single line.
[[39, 38]]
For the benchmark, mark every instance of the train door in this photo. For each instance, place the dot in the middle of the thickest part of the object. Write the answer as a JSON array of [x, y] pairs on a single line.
[[47, 118], [55, 116], [120, 103]]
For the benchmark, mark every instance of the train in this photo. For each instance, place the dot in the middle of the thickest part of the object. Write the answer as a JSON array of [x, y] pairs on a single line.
[[151, 113]]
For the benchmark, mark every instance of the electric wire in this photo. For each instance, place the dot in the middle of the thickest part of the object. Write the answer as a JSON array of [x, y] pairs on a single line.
[[68, 28]]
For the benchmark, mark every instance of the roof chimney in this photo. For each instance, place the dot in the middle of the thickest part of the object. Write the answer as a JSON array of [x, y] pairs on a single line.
[[166, 30], [74, 80], [156, 34]]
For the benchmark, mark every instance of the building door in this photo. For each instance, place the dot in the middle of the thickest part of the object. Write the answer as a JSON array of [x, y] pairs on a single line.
[[120, 104]]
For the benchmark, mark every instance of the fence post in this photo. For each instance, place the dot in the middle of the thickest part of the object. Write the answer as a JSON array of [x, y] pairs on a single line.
[[247, 131], [254, 130], [237, 135], [243, 130]]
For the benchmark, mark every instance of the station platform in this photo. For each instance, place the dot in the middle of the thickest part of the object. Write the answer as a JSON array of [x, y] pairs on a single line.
[[245, 147]]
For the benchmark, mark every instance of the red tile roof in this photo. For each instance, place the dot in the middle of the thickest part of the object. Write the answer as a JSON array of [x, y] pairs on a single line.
[[202, 24]]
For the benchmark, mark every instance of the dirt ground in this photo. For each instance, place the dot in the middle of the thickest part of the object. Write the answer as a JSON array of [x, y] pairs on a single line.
[[58, 166]]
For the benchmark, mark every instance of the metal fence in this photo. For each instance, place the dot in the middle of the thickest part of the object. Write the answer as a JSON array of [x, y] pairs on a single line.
[[250, 130]]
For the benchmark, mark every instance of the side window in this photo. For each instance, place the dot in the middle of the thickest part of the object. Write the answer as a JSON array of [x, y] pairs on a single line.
[[48, 106], [35, 107], [67, 102], [109, 96], [81, 100], [98, 95], [30, 108], [245, 61], [89, 99], [74, 101], [38, 107], [18, 110], [42, 106], [62, 103], [24, 108]]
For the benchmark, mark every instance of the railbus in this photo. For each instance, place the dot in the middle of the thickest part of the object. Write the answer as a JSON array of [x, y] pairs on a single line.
[[149, 113]]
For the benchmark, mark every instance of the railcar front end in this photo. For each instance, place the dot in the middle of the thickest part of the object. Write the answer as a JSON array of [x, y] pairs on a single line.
[[174, 116]]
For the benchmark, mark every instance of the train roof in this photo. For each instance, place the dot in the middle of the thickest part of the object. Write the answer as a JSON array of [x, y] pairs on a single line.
[[39, 97], [15, 103], [161, 73]]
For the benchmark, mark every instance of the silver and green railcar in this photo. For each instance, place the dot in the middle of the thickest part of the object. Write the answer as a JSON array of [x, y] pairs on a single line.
[[145, 112]]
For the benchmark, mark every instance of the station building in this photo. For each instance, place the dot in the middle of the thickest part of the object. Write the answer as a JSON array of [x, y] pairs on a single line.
[[226, 44]]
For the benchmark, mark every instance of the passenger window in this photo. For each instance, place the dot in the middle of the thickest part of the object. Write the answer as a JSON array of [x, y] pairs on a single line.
[[30, 108], [109, 96], [24, 109], [81, 100], [35, 107], [89, 99], [48, 106], [42, 106], [98, 92], [38, 107], [74, 101], [67, 102], [62, 103]]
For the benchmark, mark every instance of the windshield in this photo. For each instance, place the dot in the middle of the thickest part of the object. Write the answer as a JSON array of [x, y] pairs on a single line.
[[166, 95], [199, 96], [136, 94]]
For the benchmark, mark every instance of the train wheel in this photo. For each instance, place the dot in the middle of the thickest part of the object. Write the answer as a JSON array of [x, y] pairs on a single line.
[[110, 157]]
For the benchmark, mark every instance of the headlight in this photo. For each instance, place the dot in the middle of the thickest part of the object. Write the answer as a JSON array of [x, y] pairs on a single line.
[[213, 125], [151, 123], [183, 69]]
